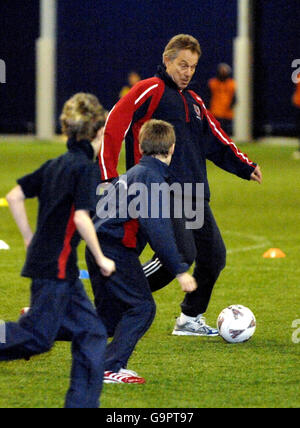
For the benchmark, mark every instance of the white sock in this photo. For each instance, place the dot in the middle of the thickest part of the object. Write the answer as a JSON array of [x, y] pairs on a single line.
[[184, 318]]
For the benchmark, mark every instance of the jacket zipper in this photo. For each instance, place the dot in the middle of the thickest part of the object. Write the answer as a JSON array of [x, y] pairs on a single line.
[[186, 107]]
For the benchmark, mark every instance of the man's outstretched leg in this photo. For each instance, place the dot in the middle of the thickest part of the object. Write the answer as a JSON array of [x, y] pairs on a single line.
[[210, 261], [207, 246]]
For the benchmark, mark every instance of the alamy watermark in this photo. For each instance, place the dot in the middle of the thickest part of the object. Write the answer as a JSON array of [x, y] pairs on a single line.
[[296, 333], [2, 332], [296, 73], [158, 200], [2, 71]]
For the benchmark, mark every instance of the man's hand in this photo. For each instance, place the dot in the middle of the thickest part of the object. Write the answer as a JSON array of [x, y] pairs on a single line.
[[187, 282], [257, 175]]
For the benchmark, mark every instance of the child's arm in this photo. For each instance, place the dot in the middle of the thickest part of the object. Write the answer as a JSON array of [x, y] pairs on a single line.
[[15, 199], [87, 231], [29, 186], [160, 235], [162, 240]]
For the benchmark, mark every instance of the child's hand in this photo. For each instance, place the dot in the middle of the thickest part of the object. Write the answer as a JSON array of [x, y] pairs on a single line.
[[187, 282], [107, 266]]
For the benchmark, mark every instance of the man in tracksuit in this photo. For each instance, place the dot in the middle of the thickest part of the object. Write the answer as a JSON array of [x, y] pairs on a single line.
[[199, 137], [125, 222], [65, 188]]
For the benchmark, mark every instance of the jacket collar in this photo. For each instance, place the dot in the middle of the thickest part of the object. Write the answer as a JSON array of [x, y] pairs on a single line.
[[163, 75], [156, 165], [81, 146]]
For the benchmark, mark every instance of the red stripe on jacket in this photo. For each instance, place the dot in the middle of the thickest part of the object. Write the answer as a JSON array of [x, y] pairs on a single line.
[[156, 97], [186, 107], [131, 229], [218, 131], [119, 121], [66, 251]]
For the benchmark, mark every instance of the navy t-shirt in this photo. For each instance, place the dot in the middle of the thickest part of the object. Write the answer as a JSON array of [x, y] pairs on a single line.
[[63, 186]]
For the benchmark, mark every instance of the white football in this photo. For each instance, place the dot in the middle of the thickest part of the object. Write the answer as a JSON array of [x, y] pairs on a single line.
[[236, 324]]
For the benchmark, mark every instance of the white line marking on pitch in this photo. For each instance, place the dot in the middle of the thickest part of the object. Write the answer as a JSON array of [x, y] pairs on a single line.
[[259, 242]]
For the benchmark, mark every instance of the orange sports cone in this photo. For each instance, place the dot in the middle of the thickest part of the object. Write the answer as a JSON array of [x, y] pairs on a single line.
[[274, 253]]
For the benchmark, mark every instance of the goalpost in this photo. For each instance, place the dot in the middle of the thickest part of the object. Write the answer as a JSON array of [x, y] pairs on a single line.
[[243, 72], [46, 70]]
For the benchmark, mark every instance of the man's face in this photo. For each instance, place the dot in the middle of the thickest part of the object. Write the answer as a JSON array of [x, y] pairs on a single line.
[[182, 68]]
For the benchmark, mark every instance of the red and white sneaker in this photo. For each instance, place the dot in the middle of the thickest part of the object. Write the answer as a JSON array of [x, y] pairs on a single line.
[[24, 312], [123, 376]]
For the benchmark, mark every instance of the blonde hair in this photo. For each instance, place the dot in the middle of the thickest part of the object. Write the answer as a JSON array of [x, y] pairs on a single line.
[[156, 138], [82, 117], [181, 42]]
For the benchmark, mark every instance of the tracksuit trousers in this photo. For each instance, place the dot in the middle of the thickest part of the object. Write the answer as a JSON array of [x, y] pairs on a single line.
[[210, 258], [56, 306], [124, 302]]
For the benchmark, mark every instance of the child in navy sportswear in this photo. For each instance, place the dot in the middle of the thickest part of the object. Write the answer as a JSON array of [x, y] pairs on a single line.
[[65, 188], [125, 222]]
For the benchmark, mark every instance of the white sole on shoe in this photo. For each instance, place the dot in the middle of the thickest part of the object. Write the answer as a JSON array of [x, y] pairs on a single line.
[[121, 378], [190, 333]]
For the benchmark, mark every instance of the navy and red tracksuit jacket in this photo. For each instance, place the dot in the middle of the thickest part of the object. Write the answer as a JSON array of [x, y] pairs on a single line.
[[132, 222], [198, 134]]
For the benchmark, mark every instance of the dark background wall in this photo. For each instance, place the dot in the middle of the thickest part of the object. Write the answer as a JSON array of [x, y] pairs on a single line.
[[277, 44], [99, 41], [19, 28]]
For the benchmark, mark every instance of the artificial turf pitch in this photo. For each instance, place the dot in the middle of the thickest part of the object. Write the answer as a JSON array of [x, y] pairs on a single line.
[[185, 372]]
